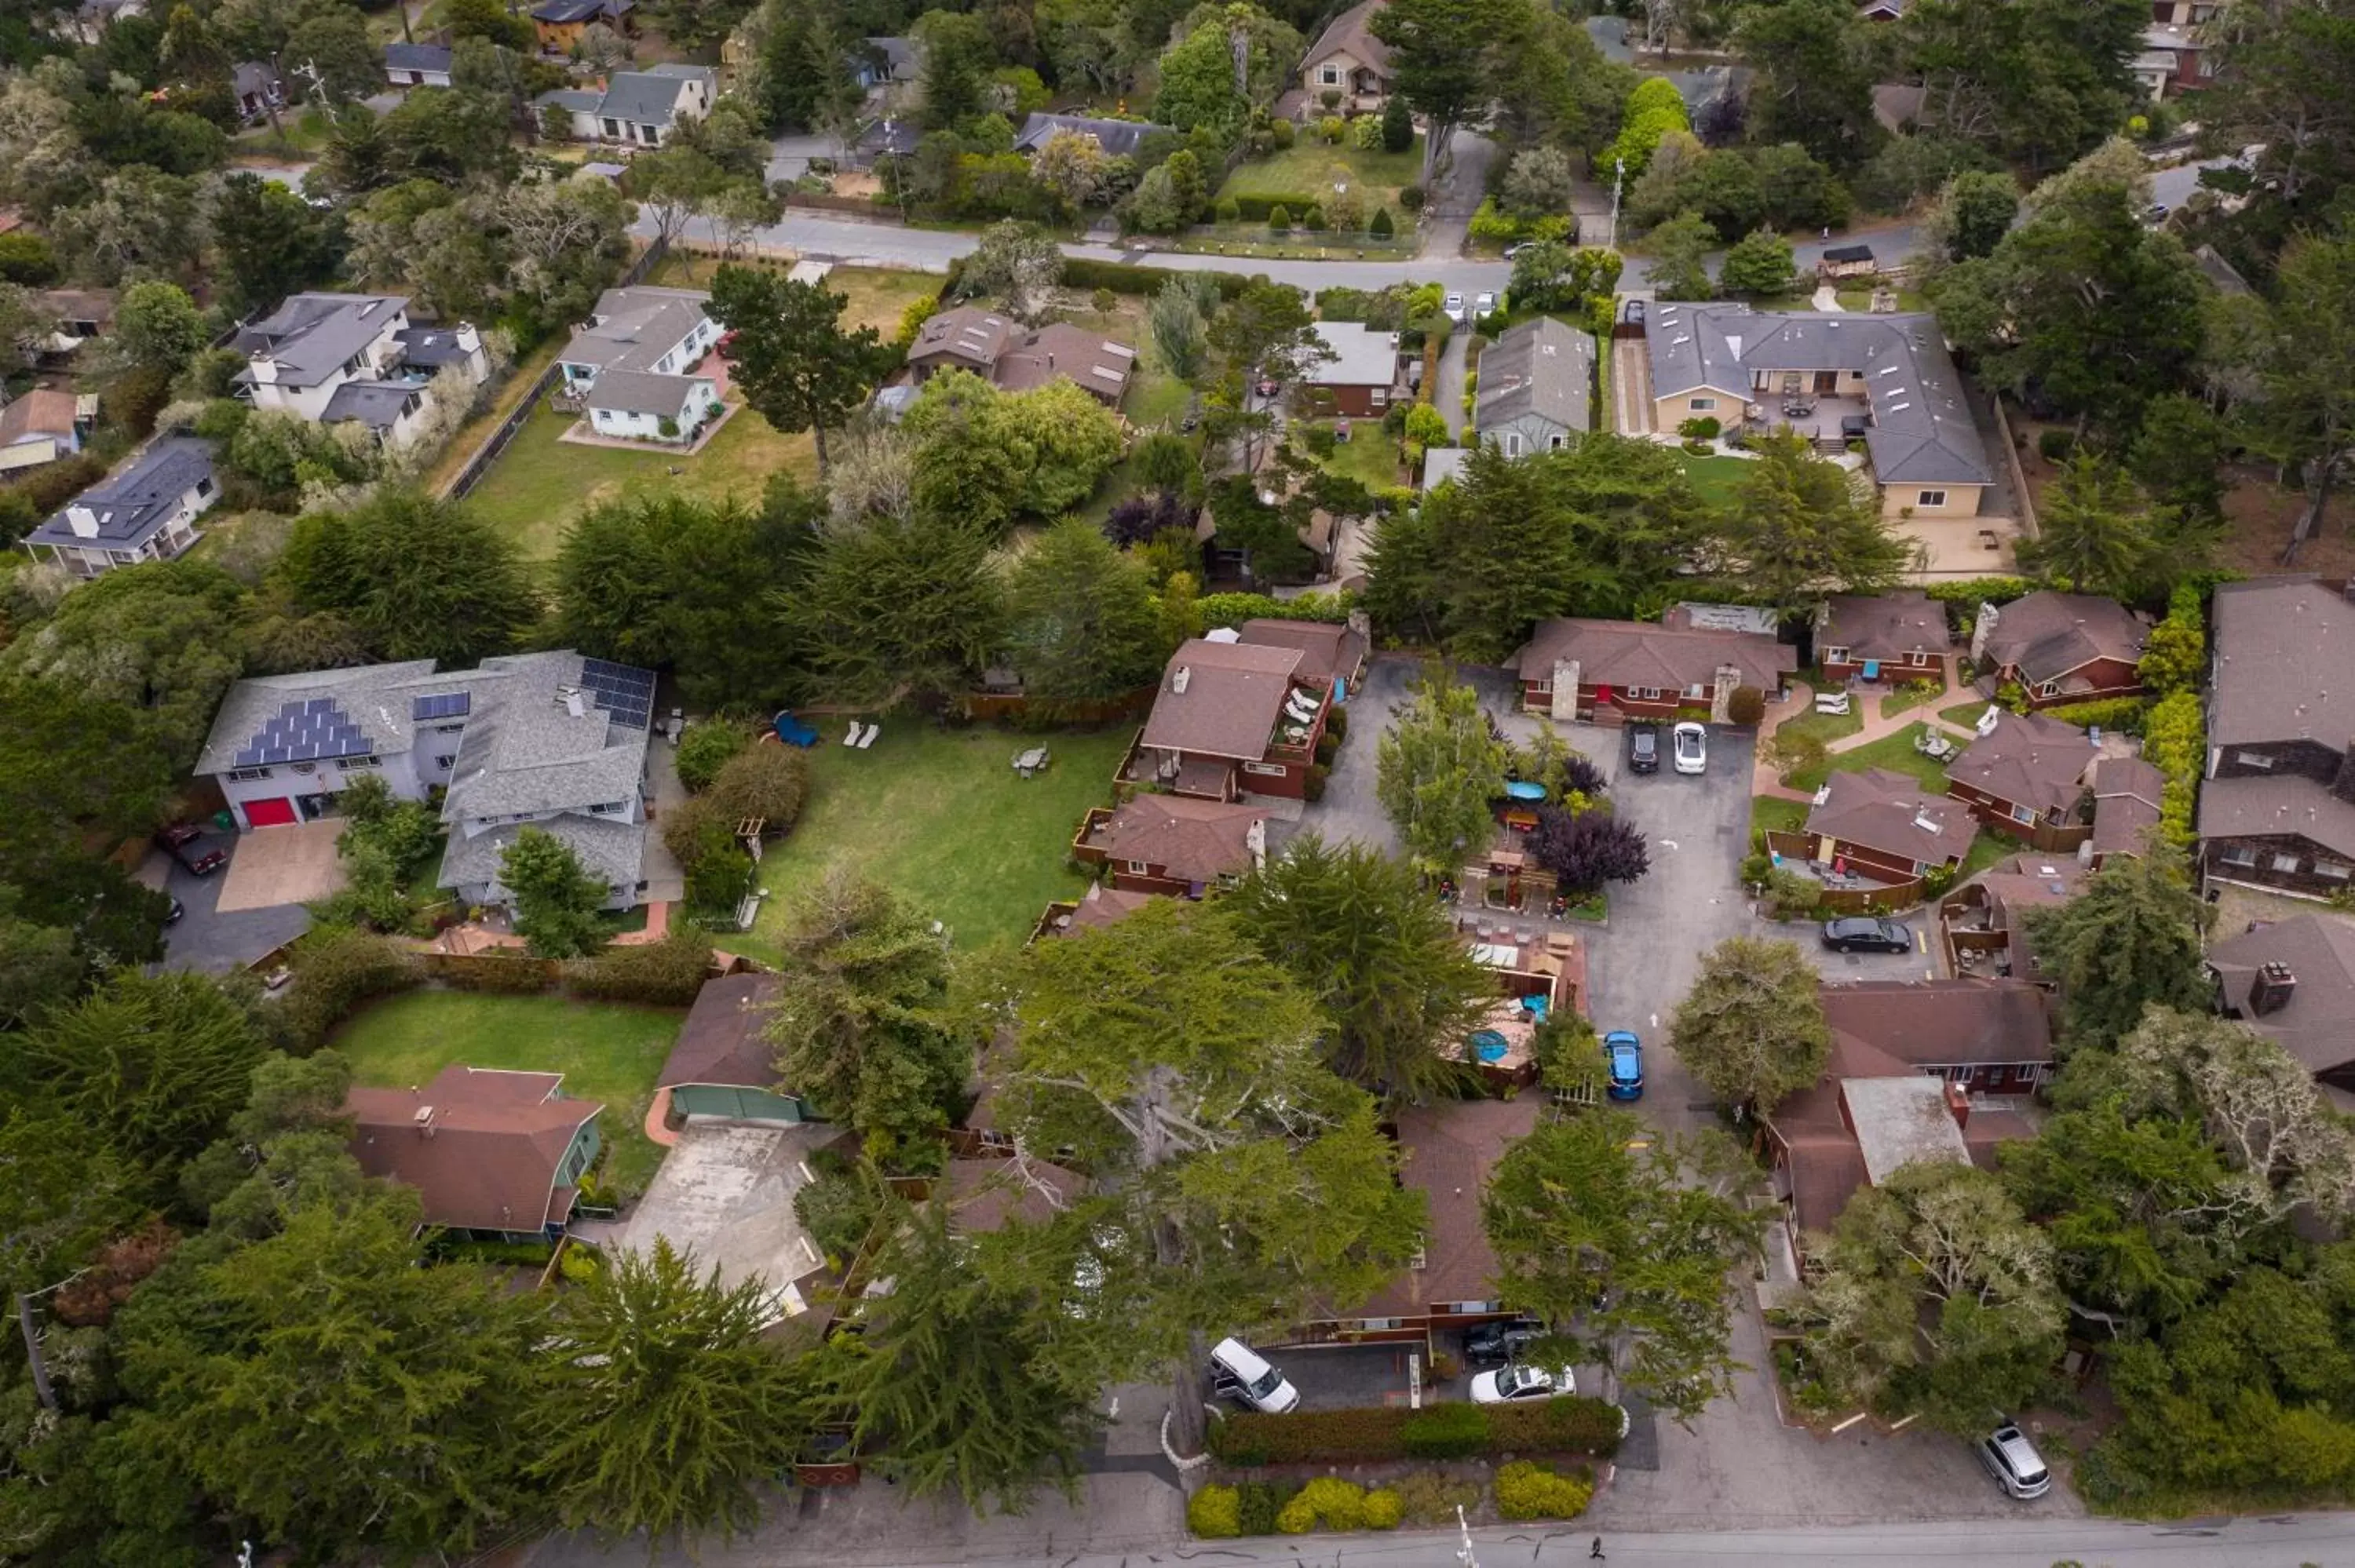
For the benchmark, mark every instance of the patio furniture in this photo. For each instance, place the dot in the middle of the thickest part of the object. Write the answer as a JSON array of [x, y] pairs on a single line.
[[1831, 702], [1934, 746], [873, 731], [857, 730], [792, 731], [1031, 763]]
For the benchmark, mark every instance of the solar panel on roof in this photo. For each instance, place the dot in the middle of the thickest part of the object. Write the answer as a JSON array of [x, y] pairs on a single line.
[[625, 693], [441, 705]]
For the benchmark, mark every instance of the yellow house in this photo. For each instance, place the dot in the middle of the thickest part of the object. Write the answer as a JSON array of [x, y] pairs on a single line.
[[1839, 379], [1347, 59]]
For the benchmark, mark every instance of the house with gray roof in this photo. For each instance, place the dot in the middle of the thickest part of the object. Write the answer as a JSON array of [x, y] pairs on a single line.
[[417, 65], [2293, 981], [1537, 388], [639, 108], [1357, 372], [550, 741], [146, 513], [1885, 380], [2277, 808], [329, 358], [634, 365], [1118, 138], [1349, 62]]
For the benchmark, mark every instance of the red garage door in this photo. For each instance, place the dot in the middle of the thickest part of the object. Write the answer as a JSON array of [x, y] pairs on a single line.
[[277, 813]]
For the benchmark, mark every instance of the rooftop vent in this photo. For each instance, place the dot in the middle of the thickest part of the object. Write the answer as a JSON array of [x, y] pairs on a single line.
[[1926, 823], [2272, 989], [1177, 682]]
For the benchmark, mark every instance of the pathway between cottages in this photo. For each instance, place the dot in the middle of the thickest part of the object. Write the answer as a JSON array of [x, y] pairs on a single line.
[[1878, 726]]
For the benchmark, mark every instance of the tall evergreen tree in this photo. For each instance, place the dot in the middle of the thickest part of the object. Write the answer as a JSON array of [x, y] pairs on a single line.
[[2129, 940], [1438, 771]]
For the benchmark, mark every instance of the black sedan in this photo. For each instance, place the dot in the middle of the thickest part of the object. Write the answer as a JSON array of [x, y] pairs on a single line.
[[1866, 934], [1643, 748], [1493, 1344]]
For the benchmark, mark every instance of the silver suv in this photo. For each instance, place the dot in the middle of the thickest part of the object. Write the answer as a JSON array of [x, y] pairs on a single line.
[[2014, 1463]]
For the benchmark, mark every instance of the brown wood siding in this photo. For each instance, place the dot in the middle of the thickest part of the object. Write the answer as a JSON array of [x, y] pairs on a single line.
[[2298, 758], [1350, 403], [2302, 879], [1152, 879], [2042, 833], [2105, 678]]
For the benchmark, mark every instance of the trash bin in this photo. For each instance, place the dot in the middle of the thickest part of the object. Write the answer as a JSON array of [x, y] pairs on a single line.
[[224, 821]]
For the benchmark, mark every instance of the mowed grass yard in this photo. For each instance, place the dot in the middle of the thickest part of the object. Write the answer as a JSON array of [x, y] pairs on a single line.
[[1715, 477], [542, 484], [1312, 168], [939, 818], [608, 1052]]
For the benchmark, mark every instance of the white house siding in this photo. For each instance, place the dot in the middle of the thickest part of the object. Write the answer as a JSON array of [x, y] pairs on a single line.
[[288, 780], [1535, 434]]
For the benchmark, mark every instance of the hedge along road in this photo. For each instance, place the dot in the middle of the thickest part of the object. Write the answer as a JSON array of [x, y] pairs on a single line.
[[851, 243]]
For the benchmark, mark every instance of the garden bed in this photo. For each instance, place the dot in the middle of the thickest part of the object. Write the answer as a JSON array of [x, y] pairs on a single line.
[[1387, 1496]]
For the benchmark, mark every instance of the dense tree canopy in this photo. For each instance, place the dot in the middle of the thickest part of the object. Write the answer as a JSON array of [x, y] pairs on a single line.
[[1751, 1028]]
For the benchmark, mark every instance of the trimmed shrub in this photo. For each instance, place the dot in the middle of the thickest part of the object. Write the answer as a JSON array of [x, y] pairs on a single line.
[[1214, 1514], [1260, 208], [1336, 723], [1447, 1431], [2121, 714], [1383, 1509], [1234, 609], [1700, 427], [1573, 1424], [1258, 1502], [1327, 1502], [704, 749], [661, 974], [1410, 198], [1282, 133], [1525, 1491], [1746, 706], [1312, 789], [1313, 221], [1228, 211], [1279, 220], [2055, 445], [335, 972], [770, 782]]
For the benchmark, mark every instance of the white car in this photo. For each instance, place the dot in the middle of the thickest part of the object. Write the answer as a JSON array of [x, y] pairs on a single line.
[[1689, 744], [1512, 1384], [1483, 305], [1454, 306]]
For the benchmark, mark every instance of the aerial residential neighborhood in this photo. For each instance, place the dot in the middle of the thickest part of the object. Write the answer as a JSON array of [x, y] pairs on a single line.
[[1435, 782]]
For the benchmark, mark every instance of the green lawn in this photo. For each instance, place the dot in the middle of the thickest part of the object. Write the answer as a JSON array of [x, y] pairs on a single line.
[[1369, 457], [1771, 815], [1256, 239], [941, 816], [1894, 752], [1714, 476], [1861, 300], [1906, 698], [1964, 713], [606, 1051], [1826, 727], [1312, 167]]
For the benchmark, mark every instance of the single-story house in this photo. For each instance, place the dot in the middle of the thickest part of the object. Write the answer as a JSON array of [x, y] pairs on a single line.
[[2025, 776], [2275, 810], [40, 427], [985, 1195], [1447, 1151], [1988, 1036], [146, 512], [1537, 388], [635, 405], [1172, 844], [1885, 827], [638, 108], [558, 24], [2127, 795], [1893, 637], [491, 1152], [1014, 359], [417, 65], [1118, 138], [256, 89], [1099, 907], [1358, 374], [1846, 262], [1982, 924], [2060, 647], [1350, 63], [2293, 981], [1889, 377], [75, 317], [1332, 653], [888, 137], [1231, 718], [886, 61], [1570, 668], [722, 1064]]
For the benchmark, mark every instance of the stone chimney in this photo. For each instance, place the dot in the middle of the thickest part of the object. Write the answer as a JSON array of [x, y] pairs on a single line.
[[423, 1121], [2272, 989]]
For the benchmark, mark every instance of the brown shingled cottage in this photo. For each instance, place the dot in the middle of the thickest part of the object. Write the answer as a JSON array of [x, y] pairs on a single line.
[[493, 1153], [2025, 776], [723, 1064], [2060, 647], [1580, 668], [1893, 637], [1231, 718], [1883, 826], [1172, 844]]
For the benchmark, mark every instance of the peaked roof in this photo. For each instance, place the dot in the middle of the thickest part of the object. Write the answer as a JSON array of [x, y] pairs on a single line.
[[987, 1195], [1923, 429], [2285, 666], [2029, 760], [135, 504], [649, 97], [634, 327], [2127, 795], [2317, 1025], [1193, 841], [482, 1146], [1351, 33], [1447, 1150], [723, 1040], [417, 56], [1118, 138], [1888, 812], [312, 337], [1884, 627], [41, 413], [1328, 650], [1920, 1025], [1543, 367], [1221, 699], [1638, 654], [2049, 634]]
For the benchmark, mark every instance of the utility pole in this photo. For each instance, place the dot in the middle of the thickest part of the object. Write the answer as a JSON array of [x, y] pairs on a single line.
[[1618, 183]]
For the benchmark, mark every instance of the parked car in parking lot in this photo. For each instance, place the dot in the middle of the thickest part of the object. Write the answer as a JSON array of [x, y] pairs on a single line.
[[1510, 1385], [1492, 1344], [1866, 934], [1454, 306], [1643, 748], [2014, 1463], [184, 842], [1689, 743], [1624, 1054]]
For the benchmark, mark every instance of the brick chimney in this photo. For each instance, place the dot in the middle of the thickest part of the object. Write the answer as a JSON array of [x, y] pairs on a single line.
[[2272, 989], [1959, 1103]]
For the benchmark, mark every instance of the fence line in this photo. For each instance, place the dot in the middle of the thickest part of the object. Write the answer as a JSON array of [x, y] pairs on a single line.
[[497, 441], [2011, 460]]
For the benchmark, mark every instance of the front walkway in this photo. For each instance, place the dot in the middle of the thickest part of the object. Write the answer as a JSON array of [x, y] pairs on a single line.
[[1878, 726]]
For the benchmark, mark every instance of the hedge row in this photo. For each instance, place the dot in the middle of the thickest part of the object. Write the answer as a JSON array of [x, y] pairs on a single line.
[[1119, 277], [2121, 714], [1234, 609], [1573, 1424], [1256, 209]]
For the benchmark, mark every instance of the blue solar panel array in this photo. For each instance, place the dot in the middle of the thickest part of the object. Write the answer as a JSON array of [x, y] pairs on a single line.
[[625, 692], [448, 706], [306, 732]]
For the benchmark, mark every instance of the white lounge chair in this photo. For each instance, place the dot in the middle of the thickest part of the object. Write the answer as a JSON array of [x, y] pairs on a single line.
[[856, 729], [868, 738]]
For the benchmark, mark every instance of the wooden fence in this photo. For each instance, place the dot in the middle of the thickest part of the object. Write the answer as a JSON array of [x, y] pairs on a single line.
[[1015, 706], [2027, 507], [497, 441]]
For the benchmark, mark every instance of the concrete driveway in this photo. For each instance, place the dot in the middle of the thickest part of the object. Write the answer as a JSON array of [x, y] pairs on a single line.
[[275, 867], [725, 1192], [207, 938]]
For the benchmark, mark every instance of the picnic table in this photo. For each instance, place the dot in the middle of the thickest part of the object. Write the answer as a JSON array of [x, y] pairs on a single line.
[[1031, 763], [1935, 746]]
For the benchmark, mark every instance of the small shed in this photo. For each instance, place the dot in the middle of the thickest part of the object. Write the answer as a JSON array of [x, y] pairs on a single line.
[[1847, 262], [723, 1065]]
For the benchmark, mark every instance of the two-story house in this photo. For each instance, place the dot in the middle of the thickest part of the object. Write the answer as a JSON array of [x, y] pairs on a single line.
[[633, 364], [2173, 59], [547, 740], [1574, 668], [2293, 981], [1347, 70], [147, 512], [329, 358], [1231, 718], [2277, 808], [2060, 647], [636, 108]]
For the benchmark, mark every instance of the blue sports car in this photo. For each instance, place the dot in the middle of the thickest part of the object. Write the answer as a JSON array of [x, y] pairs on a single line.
[[1625, 1054]]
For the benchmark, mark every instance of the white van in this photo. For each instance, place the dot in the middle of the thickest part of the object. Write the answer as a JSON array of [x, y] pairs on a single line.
[[1238, 1369]]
